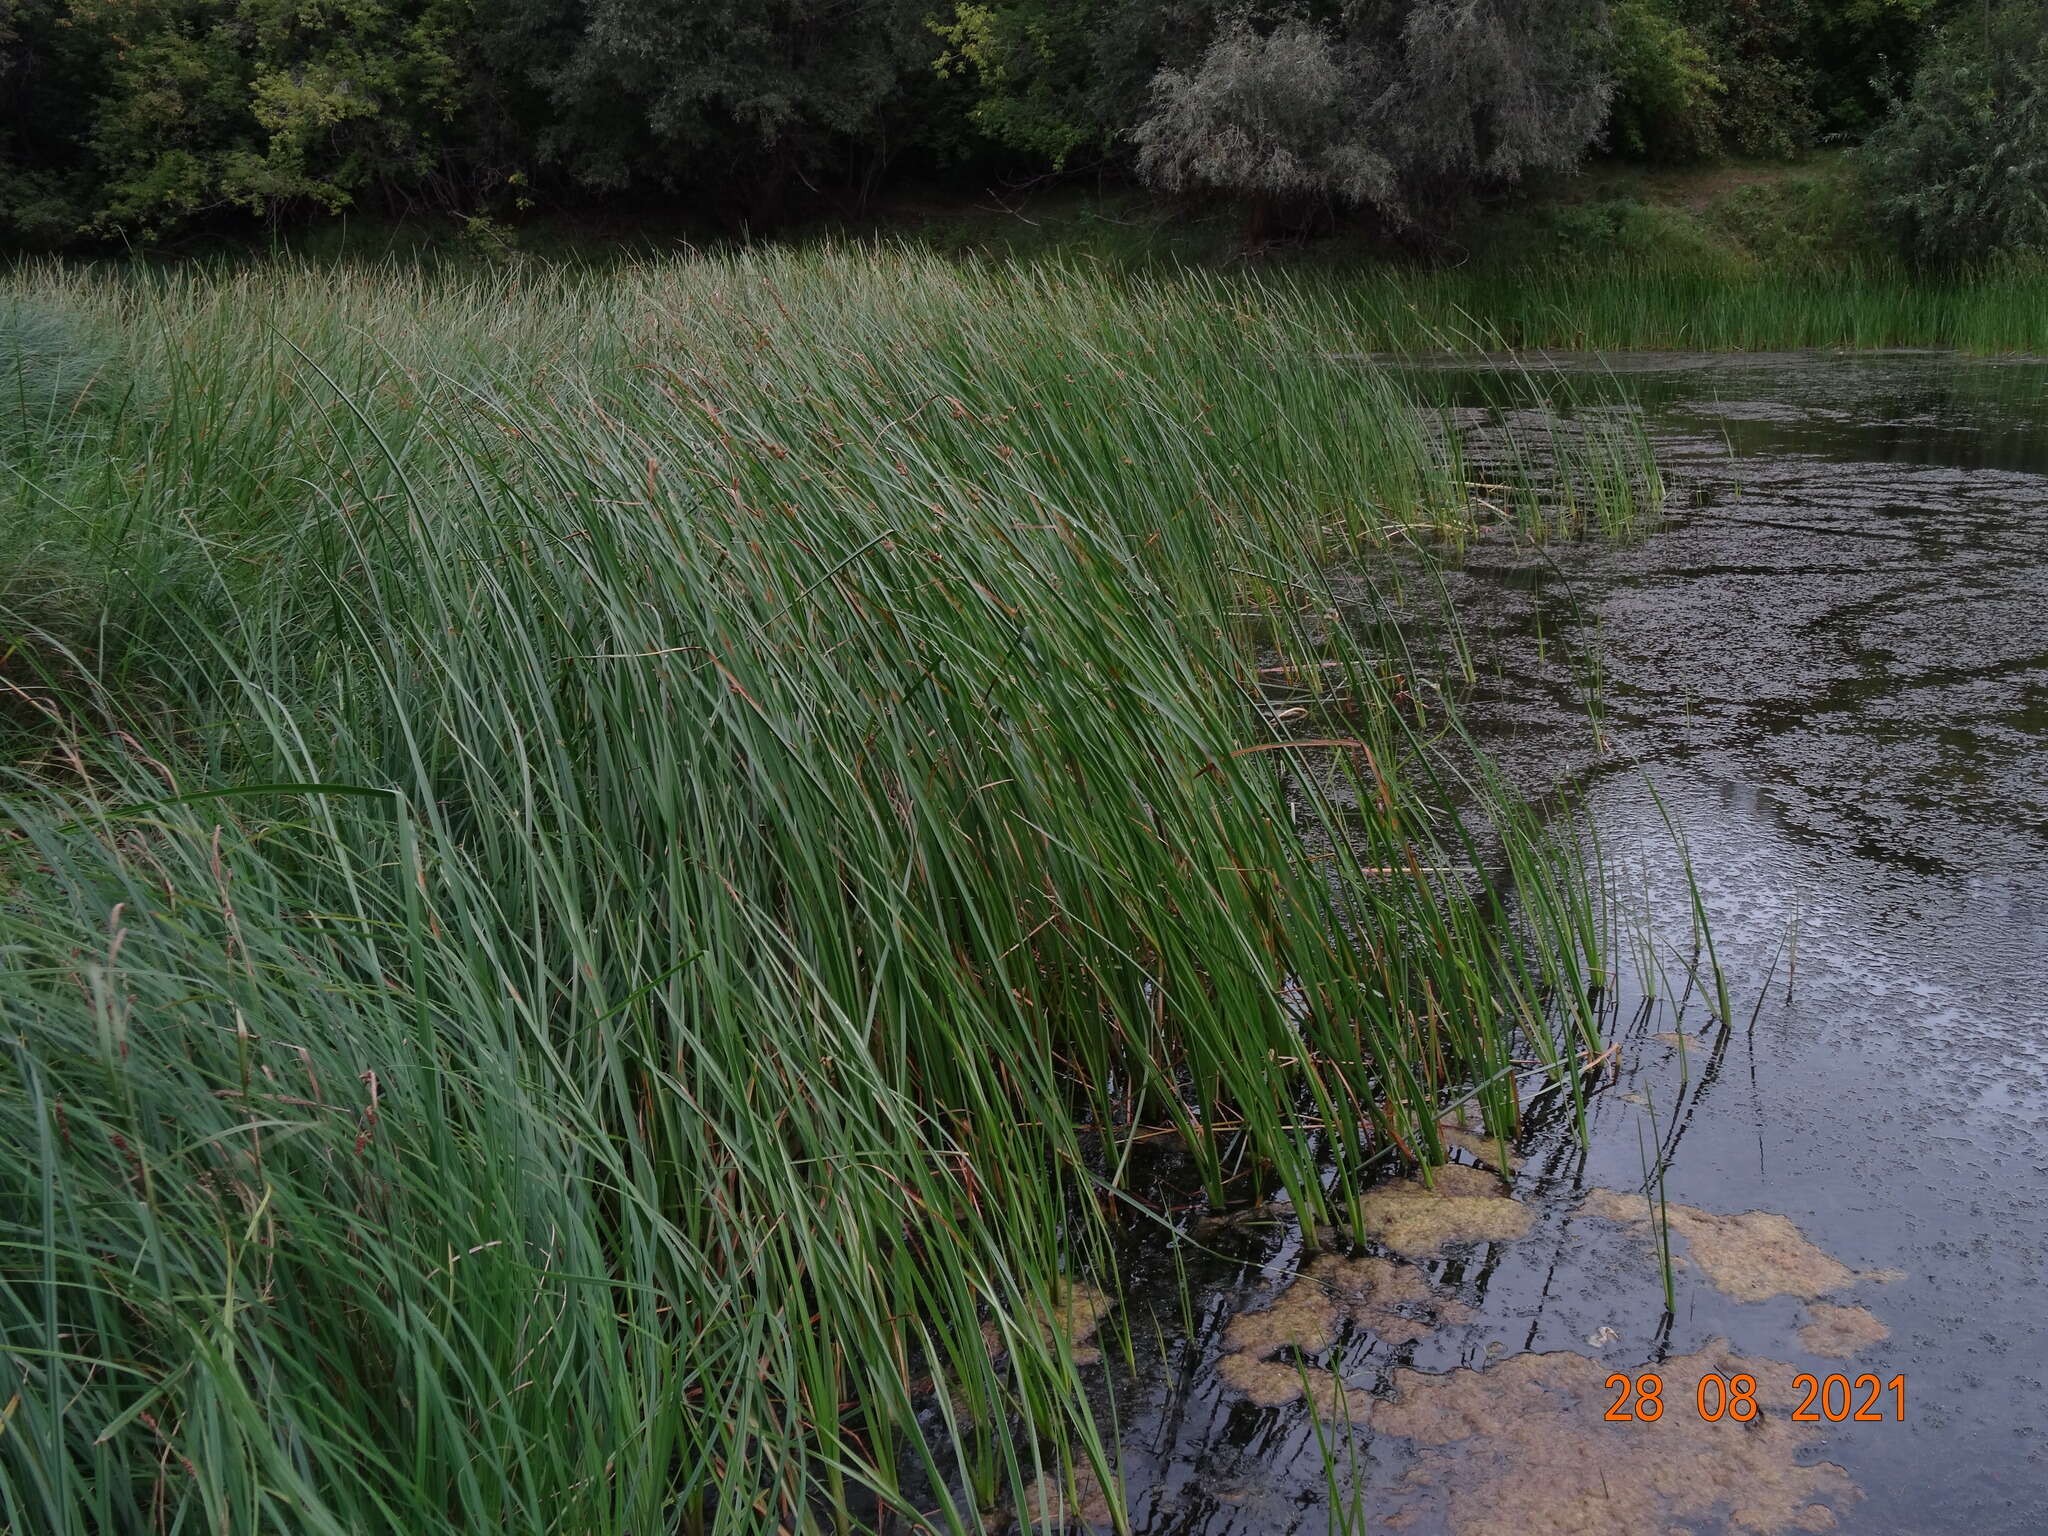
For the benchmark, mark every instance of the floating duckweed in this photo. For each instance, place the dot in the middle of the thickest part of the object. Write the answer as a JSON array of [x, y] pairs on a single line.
[[1752, 1256], [1301, 1318], [1477, 1144], [1522, 1446], [1839, 1331], [1303, 1321], [1053, 1503], [1461, 1205], [1375, 1289], [1073, 1314], [1274, 1383], [1077, 1311], [1677, 1038]]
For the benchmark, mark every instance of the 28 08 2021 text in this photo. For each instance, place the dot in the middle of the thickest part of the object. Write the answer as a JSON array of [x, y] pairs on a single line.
[[1834, 1398]]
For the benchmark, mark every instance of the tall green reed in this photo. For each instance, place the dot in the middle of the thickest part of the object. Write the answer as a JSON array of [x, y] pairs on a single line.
[[648, 840]]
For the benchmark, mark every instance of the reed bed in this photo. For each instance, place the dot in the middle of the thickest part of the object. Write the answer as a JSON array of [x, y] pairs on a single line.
[[1618, 304], [600, 873]]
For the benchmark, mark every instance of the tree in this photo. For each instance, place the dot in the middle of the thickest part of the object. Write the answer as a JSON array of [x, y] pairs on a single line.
[[264, 105], [50, 75], [1959, 170], [731, 100], [1280, 120], [1405, 107], [1488, 91], [1666, 90], [1858, 48], [1054, 78]]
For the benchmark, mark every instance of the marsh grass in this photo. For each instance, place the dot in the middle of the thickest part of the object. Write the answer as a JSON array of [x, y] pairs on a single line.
[[587, 948], [1654, 305]]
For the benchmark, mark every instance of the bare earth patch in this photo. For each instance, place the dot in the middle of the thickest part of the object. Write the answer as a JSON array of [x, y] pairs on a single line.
[[1521, 1448]]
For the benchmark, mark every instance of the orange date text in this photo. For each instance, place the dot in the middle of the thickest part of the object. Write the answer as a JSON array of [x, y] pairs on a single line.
[[1832, 1399]]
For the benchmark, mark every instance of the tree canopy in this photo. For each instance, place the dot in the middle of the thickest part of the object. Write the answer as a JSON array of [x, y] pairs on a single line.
[[138, 119]]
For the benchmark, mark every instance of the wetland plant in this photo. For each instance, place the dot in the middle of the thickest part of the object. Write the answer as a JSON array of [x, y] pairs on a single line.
[[656, 840]]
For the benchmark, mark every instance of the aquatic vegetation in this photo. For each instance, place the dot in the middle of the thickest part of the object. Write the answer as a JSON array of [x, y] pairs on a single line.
[[1481, 1148], [1840, 1331], [1649, 305], [1304, 1318], [1069, 1317], [1054, 1503], [1393, 1301], [1274, 1383], [1523, 1446], [657, 840], [1752, 1256], [1454, 1204]]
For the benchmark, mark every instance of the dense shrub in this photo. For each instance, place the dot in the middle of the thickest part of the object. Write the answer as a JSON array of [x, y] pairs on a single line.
[[1404, 109], [1665, 87], [1959, 170]]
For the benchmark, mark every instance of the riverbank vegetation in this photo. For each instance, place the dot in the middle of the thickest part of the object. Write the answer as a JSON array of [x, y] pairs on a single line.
[[1414, 125], [609, 877]]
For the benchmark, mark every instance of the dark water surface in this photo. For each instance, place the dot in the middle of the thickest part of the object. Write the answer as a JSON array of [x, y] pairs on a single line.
[[1830, 671]]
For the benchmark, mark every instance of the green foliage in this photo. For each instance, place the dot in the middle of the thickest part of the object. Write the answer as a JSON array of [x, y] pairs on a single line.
[[732, 99], [1665, 87], [1758, 78], [1959, 171], [1403, 108], [267, 105], [1800, 222], [1013, 54], [1611, 233], [1056, 77], [1863, 49], [50, 74], [138, 120], [685, 803], [1766, 108]]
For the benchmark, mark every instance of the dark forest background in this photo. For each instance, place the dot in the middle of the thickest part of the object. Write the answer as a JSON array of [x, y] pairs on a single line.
[[132, 122]]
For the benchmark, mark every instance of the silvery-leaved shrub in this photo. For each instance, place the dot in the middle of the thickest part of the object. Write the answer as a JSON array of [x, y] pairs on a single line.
[[1403, 107]]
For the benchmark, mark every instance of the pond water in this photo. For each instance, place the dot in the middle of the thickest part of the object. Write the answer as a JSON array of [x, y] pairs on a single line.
[[1829, 670]]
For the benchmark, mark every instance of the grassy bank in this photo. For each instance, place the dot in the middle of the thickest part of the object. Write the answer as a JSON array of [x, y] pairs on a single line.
[[1624, 306], [1730, 256], [1744, 256], [601, 873]]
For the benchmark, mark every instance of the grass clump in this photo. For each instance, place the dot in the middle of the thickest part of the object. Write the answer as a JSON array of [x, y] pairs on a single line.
[[682, 823]]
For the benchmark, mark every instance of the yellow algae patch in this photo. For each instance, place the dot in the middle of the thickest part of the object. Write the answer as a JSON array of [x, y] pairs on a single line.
[[1381, 1282], [1752, 1256], [1459, 1205], [1053, 1504], [1676, 1039], [1077, 1311], [1302, 1318], [1476, 1143], [1523, 1446], [1270, 1383], [1393, 1300], [1074, 1313], [1840, 1331]]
